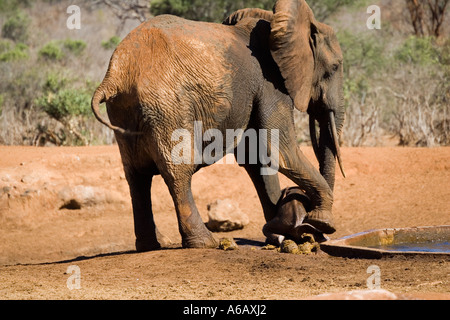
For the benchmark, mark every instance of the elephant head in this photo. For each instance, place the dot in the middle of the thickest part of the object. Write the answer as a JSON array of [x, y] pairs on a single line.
[[310, 60]]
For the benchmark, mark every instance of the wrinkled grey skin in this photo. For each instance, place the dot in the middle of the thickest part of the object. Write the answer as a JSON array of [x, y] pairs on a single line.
[[250, 74]]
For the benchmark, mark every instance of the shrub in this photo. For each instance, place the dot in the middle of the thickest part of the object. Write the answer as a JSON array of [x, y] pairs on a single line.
[[5, 45], [112, 43], [51, 51], [11, 5], [19, 52], [61, 101], [361, 52], [75, 46], [16, 27], [66, 103], [418, 50], [205, 10], [57, 50]]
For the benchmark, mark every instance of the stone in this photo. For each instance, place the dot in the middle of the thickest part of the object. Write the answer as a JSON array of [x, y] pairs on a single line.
[[79, 196], [74, 198], [225, 215]]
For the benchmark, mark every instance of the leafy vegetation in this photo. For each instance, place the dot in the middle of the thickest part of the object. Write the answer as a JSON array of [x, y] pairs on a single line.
[[397, 80], [13, 52], [57, 50], [75, 46], [51, 51], [112, 43], [205, 10], [16, 27]]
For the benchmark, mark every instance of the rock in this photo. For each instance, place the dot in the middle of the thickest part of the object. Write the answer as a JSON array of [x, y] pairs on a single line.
[[227, 244], [76, 197], [224, 216]]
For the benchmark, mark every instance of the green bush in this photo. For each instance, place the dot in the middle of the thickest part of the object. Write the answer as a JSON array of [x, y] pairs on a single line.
[[55, 82], [364, 59], [16, 27], [75, 46], [361, 52], [51, 51], [61, 101], [66, 103], [11, 5], [5, 45], [418, 50], [205, 10], [19, 52], [57, 50], [112, 43]]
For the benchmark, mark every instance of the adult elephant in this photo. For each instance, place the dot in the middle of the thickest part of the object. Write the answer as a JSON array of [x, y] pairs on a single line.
[[170, 74]]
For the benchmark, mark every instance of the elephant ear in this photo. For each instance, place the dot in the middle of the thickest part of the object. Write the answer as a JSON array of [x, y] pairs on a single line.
[[291, 48], [237, 16]]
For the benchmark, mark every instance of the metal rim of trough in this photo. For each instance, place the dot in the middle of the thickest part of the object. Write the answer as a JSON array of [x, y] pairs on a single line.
[[355, 246]]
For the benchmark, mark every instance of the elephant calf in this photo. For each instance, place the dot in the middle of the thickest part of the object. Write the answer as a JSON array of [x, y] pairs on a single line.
[[289, 222], [249, 73]]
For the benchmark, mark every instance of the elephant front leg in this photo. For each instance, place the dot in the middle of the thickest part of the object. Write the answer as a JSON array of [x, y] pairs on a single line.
[[297, 167]]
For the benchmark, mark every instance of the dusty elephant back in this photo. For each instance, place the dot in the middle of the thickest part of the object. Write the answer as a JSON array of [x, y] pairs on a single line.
[[168, 61]]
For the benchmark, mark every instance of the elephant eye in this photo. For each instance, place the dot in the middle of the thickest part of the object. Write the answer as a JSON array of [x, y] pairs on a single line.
[[328, 74]]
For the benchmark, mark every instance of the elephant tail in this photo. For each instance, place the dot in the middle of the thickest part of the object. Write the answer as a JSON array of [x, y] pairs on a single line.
[[98, 98]]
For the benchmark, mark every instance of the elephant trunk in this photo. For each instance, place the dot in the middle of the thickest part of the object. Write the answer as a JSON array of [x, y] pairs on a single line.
[[327, 148]]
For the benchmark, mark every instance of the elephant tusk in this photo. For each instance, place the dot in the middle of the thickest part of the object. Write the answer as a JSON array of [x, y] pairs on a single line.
[[313, 134], [336, 141]]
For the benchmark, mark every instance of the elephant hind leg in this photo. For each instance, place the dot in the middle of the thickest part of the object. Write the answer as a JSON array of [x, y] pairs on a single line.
[[147, 235], [194, 233]]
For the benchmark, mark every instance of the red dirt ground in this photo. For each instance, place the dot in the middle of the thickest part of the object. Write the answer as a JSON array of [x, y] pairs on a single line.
[[385, 187]]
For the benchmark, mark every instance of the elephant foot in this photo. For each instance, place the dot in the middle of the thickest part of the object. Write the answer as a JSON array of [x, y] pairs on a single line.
[[194, 234], [150, 244], [144, 245], [200, 242], [321, 220]]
